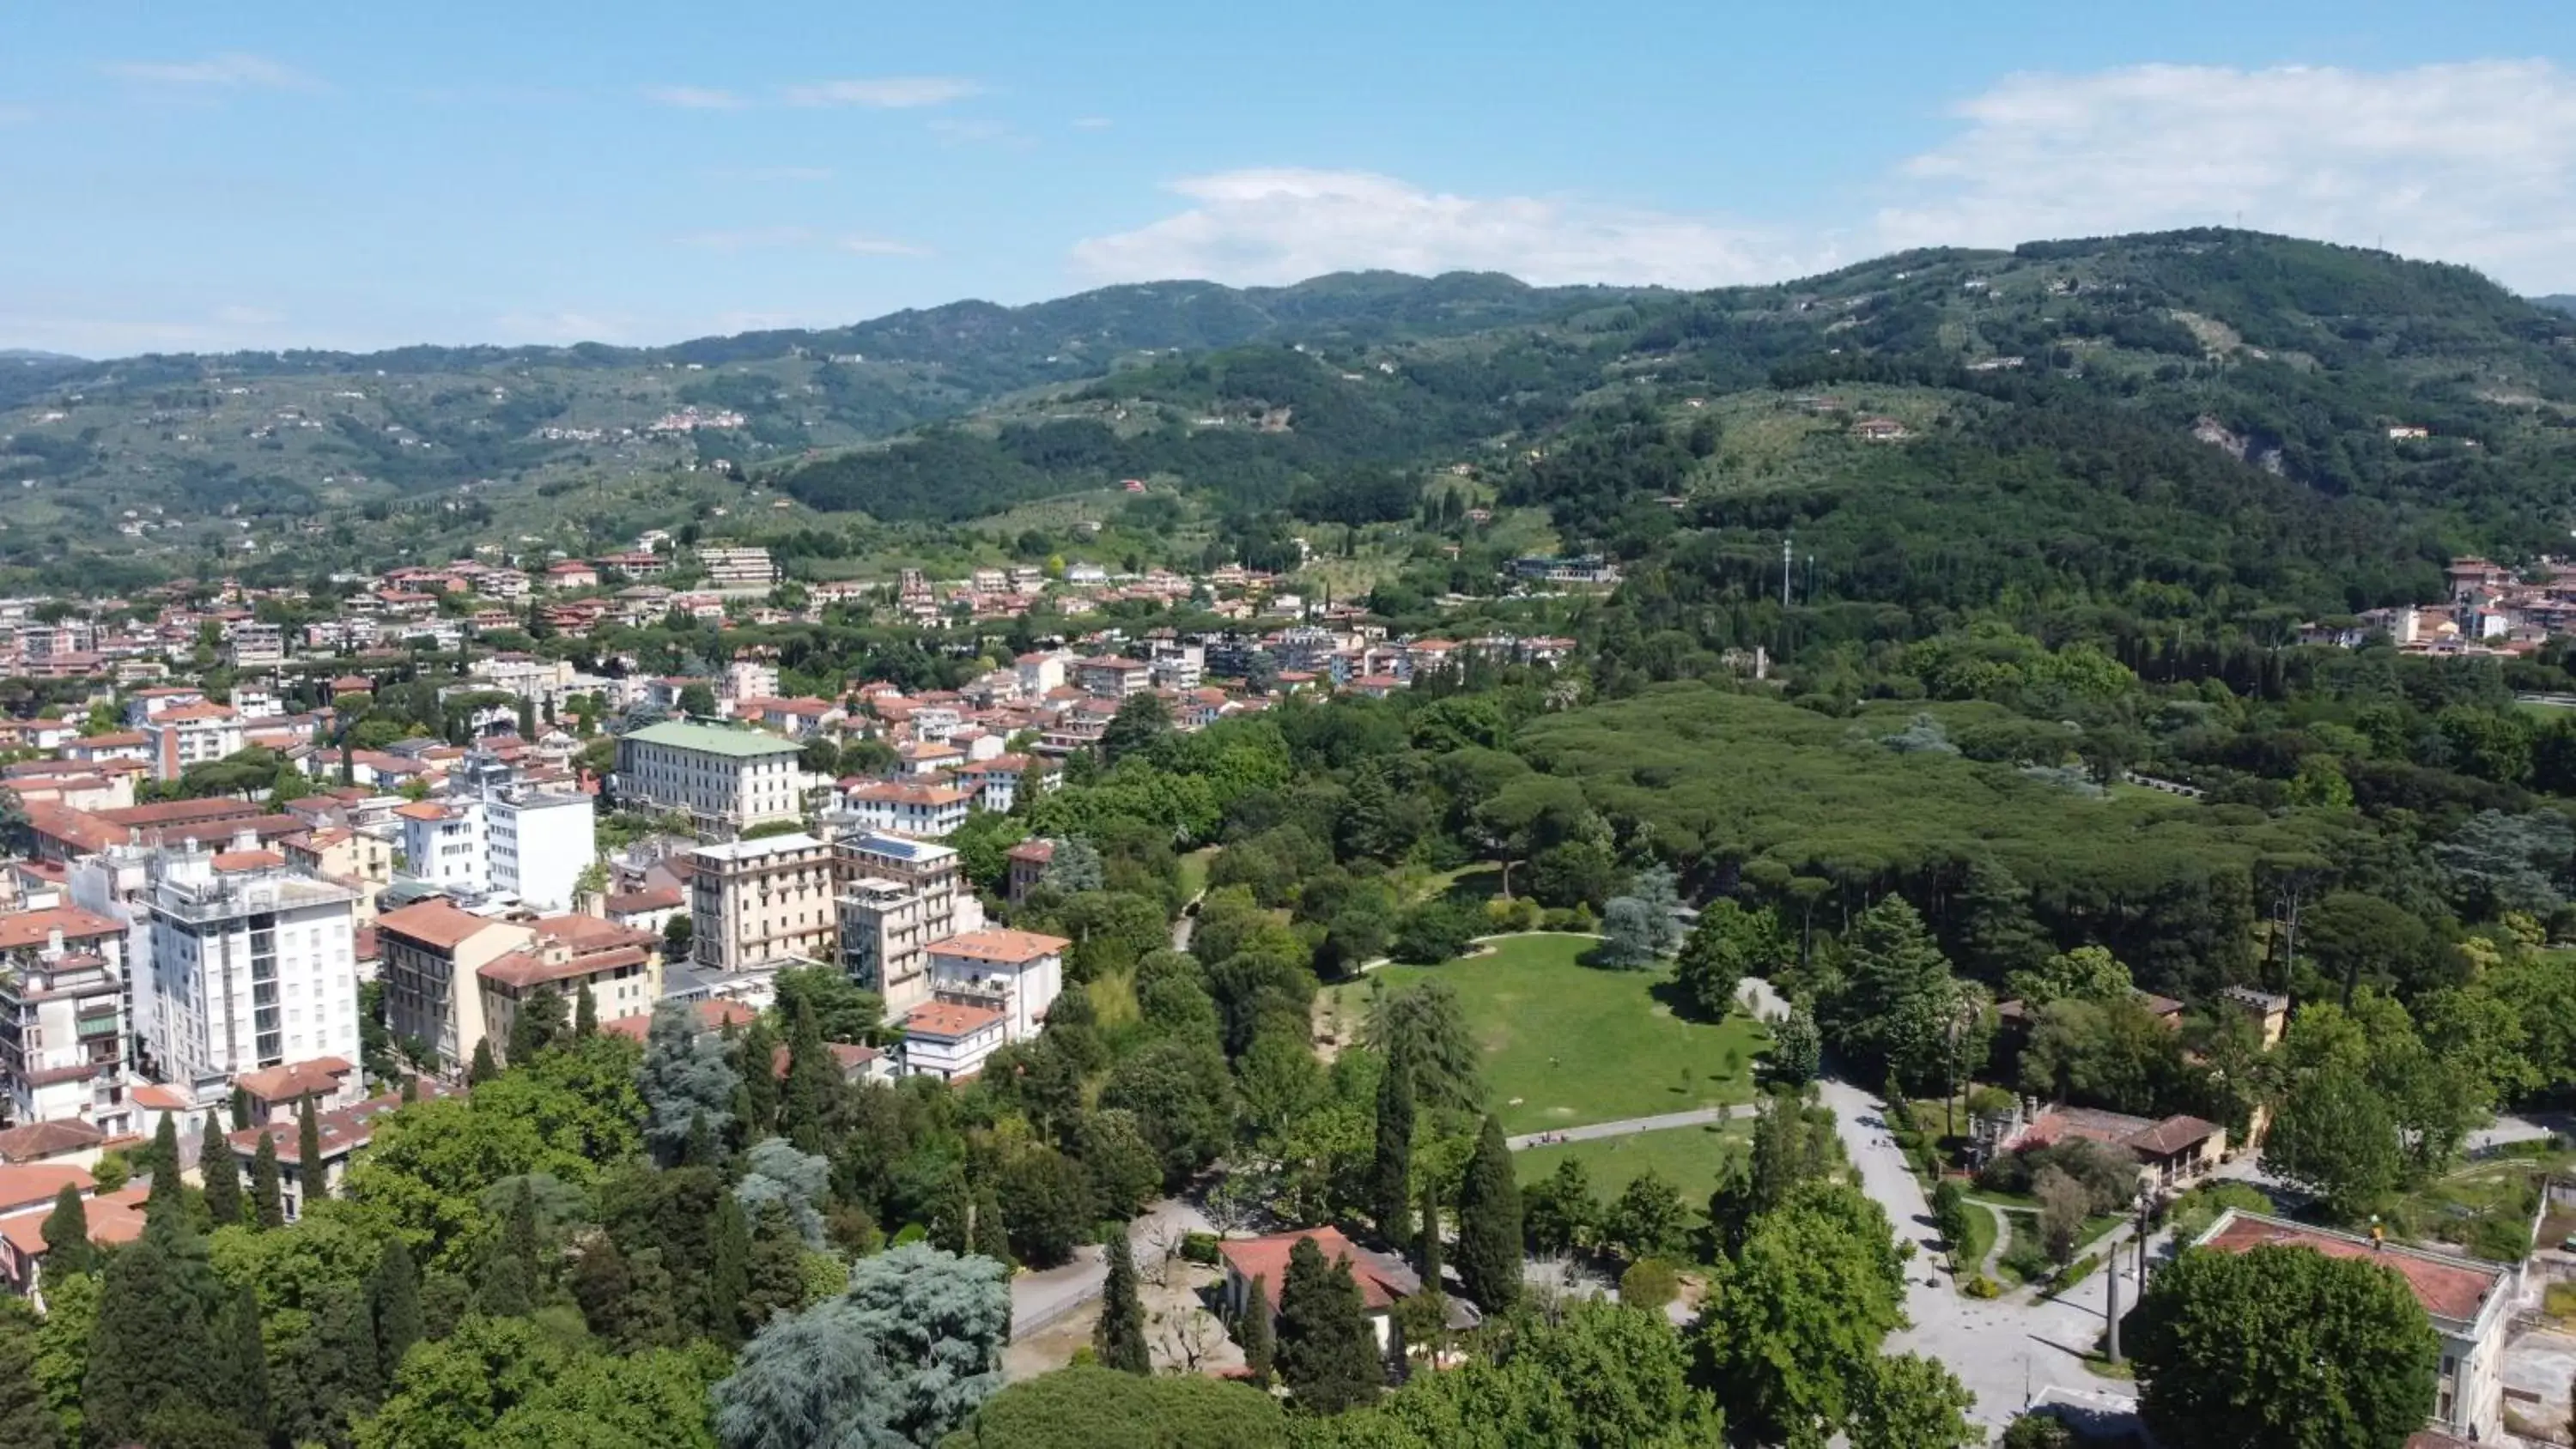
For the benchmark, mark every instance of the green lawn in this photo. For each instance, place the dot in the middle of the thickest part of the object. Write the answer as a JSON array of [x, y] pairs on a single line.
[[1687, 1157], [1194, 870], [1983, 1224], [1566, 1044]]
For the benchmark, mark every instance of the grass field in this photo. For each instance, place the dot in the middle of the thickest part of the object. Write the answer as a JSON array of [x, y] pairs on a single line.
[[1688, 1158], [1194, 870], [1566, 1044]]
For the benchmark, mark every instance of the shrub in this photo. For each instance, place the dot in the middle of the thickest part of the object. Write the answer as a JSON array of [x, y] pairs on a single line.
[[1560, 919], [2072, 1274], [1648, 1283], [1982, 1286], [1199, 1248], [2025, 1259]]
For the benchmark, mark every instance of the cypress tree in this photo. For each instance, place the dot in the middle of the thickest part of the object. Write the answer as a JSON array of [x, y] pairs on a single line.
[[312, 1177], [700, 1150], [164, 1163], [393, 1301], [813, 1081], [728, 1269], [1327, 1355], [992, 1237], [483, 1068], [1255, 1332], [1397, 1359], [507, 1287], [777, 1272], [267, 1200], [245, 1363], [1119, 1337], [1489, 1225], [222, 1173], [66, 1230], [410, 1089], [154, 1346], [1392, 1171], [1428, 1247], [755, 1059], [585, 1014], [26, 1420], [600, 1284]]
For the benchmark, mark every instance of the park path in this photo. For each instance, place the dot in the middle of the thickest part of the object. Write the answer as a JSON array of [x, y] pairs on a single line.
[[1628, 1126]]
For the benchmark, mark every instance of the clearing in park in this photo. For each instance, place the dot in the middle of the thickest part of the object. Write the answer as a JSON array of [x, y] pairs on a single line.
[[1566, 1044]]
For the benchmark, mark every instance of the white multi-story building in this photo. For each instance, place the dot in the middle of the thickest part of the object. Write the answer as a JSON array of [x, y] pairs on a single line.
[[255, 646], [252, 964], [496, 835], [754, 903], [728, 780], [903, 807], [1017, 973], [738, 568], [191, 734]]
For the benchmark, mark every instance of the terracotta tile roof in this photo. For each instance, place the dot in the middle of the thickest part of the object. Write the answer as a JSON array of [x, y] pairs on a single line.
[[590, 933], [422, 810], [524, 968], [996, 943], [1381, 1280], [178, 812], [2170, 1136], [651, 898], [115, 1219], [2447, 1287], [239, 860], [37, 1141], [158, 1098], [320, 1077], [38, 1182], [343, 1130], [27, 929], [437, 924], [1039, 851], [712, 1016], [948, 1021]]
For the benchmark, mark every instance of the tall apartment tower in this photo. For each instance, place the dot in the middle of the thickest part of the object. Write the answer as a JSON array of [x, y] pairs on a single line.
[[253, 964]]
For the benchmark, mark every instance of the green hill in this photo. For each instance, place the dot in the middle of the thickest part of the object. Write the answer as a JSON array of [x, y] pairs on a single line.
[[2204, 423]]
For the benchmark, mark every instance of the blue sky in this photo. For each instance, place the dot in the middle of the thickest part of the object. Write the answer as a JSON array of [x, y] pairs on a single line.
[[284, 174]]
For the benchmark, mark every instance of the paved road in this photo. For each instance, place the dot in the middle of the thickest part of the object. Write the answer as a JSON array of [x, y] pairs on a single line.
[[1040, 1299], [2008, 1353], [1627, 1126]]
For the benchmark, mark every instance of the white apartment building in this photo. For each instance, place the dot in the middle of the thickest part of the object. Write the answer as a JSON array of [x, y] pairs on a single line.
[[63, 1017], [255, 646], [900, 895], [901, 807], [496, 835], [190, 734], [728, 780], [750, 679], [1039, 673], [1017, 973], [757, 902], [738, 568], [252, 964]]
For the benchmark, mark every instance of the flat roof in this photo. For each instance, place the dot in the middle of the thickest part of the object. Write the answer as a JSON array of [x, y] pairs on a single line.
[[754, 849], [712, 739]]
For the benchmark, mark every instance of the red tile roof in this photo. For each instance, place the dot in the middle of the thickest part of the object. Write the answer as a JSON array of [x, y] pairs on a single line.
[[948, 1021], [28, 929], [712, 1016], [437, 924], [38, 1182], [1380, 1283], [115, 1218], [320, 1077], [237, 860], [2448, 1287], [37, 1141], [996, 943]]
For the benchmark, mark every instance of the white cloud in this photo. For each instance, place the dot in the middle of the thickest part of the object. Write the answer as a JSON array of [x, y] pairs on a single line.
[[1092, 123], [784, 173], [751, 238], [230, 70], [695, 98], [2472, 162], [884, 93], [860, 244], [1276, 226]]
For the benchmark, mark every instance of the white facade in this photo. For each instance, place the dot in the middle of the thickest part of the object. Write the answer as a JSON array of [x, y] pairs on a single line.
[[897, 808], [190, 735], [541, 843], [756, 902], [444, 844], [728, 780], [252, 964], [1016, 973], [900, 896]]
